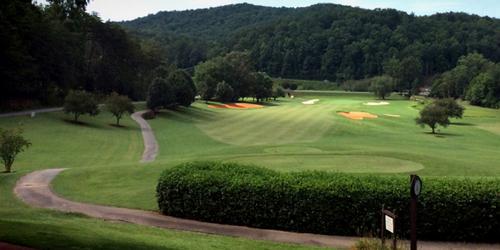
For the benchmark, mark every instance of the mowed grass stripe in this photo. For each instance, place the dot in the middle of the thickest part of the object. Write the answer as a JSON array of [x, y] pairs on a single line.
[[268, 127], [292, 123], [305, 127], [238, 125]]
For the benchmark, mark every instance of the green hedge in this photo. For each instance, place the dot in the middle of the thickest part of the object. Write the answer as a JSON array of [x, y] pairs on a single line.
[[456, 209]]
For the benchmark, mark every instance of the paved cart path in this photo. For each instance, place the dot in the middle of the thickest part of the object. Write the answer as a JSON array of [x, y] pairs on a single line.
[[7, 246], [150, 144], [35, 190], [29, 112]]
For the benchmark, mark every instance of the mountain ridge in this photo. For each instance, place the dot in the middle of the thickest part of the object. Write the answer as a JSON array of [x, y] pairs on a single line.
[[322, 41]]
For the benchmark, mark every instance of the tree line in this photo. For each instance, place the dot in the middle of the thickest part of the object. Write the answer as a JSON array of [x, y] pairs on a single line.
[[232, 77], [326, 41], [474, 78], [48, 50]]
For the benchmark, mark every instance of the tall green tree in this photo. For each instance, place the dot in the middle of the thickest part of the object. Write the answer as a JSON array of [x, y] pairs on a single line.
[[160, 95], [262, 86], [382, 86], [433, 115], [224, 92], [452, 108], [118, 105], [79, 102], [184, 88], [11, 144]]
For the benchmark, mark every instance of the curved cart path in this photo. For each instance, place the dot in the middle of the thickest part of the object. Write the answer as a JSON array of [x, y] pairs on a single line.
[[35, 190], [7, 246], [150, 144]]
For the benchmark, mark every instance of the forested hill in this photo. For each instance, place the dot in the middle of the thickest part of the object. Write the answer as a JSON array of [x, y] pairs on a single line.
[[211, 24], [324, 41]]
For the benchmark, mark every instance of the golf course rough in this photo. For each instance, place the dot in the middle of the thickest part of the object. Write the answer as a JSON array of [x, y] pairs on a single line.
[[103, 160]]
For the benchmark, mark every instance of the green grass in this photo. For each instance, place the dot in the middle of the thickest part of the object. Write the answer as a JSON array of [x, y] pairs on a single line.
[[91, 151], [277, 137], [285, 135]]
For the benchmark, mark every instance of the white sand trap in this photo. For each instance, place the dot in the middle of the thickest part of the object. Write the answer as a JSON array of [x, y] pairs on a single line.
[[392, 115], [311, 102], [376, 103]]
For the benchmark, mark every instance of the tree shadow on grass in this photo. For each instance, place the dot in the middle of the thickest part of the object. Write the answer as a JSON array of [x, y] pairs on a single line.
[[122, 127], [82, 124], [270, 104], [442, 134], [462, 124], [184, 114]]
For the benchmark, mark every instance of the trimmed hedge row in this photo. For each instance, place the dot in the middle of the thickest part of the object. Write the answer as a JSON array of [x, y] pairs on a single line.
[[457, 209]]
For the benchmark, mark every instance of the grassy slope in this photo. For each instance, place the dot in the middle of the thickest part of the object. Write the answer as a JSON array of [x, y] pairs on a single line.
[[99, 149], [279, 140], [103, 159]]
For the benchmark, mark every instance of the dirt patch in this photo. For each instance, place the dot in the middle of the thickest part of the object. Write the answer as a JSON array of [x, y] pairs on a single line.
[[357, 115], [392, 115], [376, 103], [235, 106], [311, 102]]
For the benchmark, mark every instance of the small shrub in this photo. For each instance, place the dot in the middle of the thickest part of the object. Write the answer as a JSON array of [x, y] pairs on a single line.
[[374, 244], [149, 115], [456, 209]]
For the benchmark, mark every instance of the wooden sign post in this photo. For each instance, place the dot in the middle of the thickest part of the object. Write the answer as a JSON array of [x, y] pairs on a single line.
[[415, 189], [389, 224]]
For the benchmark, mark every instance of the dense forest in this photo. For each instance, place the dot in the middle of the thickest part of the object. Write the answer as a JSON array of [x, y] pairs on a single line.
[[324, 41], [51, 49]]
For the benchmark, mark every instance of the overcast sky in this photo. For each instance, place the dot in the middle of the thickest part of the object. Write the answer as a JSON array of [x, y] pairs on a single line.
[[130, 9]]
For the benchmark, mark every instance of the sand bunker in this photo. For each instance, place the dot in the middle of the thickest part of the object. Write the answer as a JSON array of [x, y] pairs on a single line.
[[376, 103], [357, 115], [235, 106], [311, 102], [392, 115]]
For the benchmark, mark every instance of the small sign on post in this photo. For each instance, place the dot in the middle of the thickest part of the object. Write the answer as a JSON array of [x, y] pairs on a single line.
[[389, 224]]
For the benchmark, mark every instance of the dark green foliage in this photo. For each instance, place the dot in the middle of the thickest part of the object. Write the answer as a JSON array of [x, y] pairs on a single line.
[[160, 95], [432, 115], [262, 87], [149, 115], [327, 203], [325, 41], [224, 92], [235, 69], [484, 89], [452, 108], [278, 92], [12, 143], [382, 86], [455, 83], [47, 51], [475, 79], [206, 77], [118, 105], [79, 102], [357, 85], [184, 89]]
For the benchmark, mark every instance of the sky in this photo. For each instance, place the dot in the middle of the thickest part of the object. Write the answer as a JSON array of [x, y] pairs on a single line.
[[130, 9]]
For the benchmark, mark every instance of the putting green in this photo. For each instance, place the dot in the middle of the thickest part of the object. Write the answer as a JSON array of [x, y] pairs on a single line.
[[337, 163]]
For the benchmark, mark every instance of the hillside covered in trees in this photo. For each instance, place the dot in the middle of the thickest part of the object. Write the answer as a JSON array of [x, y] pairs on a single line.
[[324, 41], [48, 50]]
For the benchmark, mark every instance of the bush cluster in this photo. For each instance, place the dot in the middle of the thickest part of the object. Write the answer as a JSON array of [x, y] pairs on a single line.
[[461, 209]]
